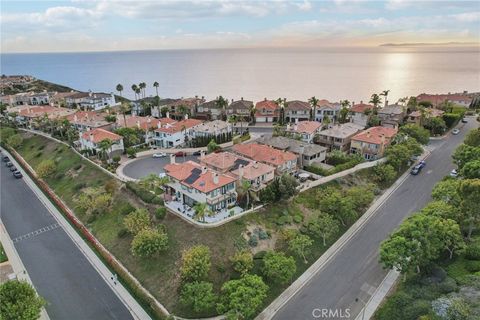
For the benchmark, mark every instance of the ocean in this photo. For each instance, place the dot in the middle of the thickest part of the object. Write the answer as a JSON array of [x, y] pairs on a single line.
[[254, 74]]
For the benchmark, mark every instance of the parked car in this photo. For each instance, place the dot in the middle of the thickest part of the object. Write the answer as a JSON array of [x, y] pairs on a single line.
[[159, 155], [422, 163], [416, 170], [464, 120], [5, 159], [180, 154], [455, 131], [17, 174], [13, 168], [454, 173], [197, 153], [9, 164]]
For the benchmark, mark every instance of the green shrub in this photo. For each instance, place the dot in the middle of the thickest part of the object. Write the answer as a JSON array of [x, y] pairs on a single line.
[[259, 255], [160, 213], [284, 220], [41, 147], [122, 233], [253, 241], [91, 218], [393, 308], [472, 265], [262, 234], [473, 251], [38, 154], [298, 218], [125, 208], [448, 285], [157, 200], [58, 176], [77, 166], [79, 186]]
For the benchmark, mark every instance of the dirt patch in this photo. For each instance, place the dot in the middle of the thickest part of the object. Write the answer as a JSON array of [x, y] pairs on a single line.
[[263, 245]]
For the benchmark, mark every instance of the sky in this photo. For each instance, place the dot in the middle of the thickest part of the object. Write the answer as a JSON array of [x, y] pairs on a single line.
[[106, 25]]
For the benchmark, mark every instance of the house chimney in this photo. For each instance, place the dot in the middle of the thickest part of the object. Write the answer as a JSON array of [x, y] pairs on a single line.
[[241, 98], [204, 170], [186, 116], [265, 99], [172, 158], [288, 126], [167, 115], [215, 178], [295, 126], [202, 154], [90, 136], [240, 172], [149, 120], [159, 124], [75, 118], [361, 101], [138, 124], [255, 164]]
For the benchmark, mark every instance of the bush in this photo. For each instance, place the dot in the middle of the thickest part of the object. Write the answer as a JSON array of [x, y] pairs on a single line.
[[58, 176], [38, 154], [148, 242], [253, 241], [160, 213], [298, 218], [125, 208], [157, 200], [122, 233], [284, 220], [77, 166], [473, 251], [262, 234], [448, 285], [141, 192], [46, 168], [137, 221], [472, 265], [259, 255], [79, 186], [91, 218]]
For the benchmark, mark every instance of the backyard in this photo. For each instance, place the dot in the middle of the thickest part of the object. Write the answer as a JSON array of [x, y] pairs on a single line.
[[257, 232]]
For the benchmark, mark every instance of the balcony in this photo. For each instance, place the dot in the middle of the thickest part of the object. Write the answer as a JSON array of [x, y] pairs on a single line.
[[221, 197]]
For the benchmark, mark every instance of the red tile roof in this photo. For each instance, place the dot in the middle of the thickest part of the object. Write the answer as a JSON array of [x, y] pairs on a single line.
[[298, 105], [437, 99], [264, 153], [267, 105], [178, 126], [99, 134], [205, 182], [39, 111], [144, 123], [306, 127], [361, 107], [376, 135]]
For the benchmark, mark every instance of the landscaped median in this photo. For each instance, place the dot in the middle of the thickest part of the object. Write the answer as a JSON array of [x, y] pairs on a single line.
[[274, 245]]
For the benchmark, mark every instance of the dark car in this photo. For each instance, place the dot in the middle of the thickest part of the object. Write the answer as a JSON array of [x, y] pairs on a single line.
[[17, 174], [13, 168], [416, 170], [9, 164], [180, 154], [422, 163], [197, 153], [5, 159]]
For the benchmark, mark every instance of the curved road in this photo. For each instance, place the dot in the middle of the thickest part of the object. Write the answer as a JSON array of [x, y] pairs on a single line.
[[59, 271], [354, 271]]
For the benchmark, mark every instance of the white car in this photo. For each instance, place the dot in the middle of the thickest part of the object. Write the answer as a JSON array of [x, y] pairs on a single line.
[[159, 155], [455, 131], [453, 173]]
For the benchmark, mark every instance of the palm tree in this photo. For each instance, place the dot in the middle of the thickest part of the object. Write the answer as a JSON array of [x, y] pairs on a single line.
[[243, 189], [119, 89], [375, 100], [233, 120], [134, 89], [124, 108], [313, 102], [105, 146], [344, 111], [156, 85], [201, 211], [385, 94], [138, 91], [142, 86], [222, 104], [326, 121]]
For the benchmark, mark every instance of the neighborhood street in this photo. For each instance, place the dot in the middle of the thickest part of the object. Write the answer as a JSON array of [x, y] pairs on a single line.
[[354, 271], [59, 271]]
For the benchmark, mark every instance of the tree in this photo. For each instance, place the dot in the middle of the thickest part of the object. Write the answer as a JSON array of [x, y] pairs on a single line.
[[361, 196], [397, 252], [156, 85], [340, 207], [278, 267], [471, 170], [425, 104], [198, 295], [124, 108], [195, 263], [324, 226], [473, 138], [142, 86], [313, 102], [242, 261], [131, 136], [385, 94], [447, 191], [287, 186], [384, 173], [344, 111], [375, 100], [119, 89], [300, 245], [19, 301], [469, 190], [137, 221], [201, 211], [105, 145], [418, 133], [412, 103], [398, 155], [243, 189], [148, 242], [46, 168], [240, 299], [465, 153], [15, 141], [135, 90], [212, 146], [435, 125], [448, 233], [441, 209]]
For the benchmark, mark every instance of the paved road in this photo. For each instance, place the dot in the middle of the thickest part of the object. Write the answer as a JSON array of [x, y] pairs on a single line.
[[59, 271], [354, 271], [142, 167]]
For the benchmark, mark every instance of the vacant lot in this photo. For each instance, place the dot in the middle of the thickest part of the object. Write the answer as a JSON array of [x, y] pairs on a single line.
[[160, 274]]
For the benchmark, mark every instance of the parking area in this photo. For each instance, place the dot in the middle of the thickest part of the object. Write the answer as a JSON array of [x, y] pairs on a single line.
[[142, 167]]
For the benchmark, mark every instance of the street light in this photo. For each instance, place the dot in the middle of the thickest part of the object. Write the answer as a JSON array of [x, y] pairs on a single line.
[[364, 306]]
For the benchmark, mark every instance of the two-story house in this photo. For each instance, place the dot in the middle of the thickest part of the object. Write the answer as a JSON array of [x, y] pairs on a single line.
[[306, 130], [91, 140], [171, 135], [93, 101], [191, 183], [212, 129], [338, 136], [88, 120], [30, 115], [241, 109], [327, 109], [418, 116], [392, 115], [147, 124], [297, 111], [360, 113], [209, 111], [266, 111], [371, 143], [282, 161]]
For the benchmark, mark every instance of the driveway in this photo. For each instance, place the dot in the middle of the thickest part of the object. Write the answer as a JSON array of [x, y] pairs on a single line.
[[142, 167]]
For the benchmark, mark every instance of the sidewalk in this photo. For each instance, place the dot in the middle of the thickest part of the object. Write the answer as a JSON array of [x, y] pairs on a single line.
[[122, 293], [16, 263]]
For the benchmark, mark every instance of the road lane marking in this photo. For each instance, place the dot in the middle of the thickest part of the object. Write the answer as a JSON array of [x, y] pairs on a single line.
[[36, 232]]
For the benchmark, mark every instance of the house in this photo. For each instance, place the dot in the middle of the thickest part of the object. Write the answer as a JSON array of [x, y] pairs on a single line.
[[171, 135], [307, 153], [371, 143], [212, 129], [147, 124], [297, 111], [327, 109], [27, 98], [416, 116], [282, 161], [184, 106], [258, 174], [59, 98], [191, 183], [241, 109], [93, 101], [438, 99], [338, 136], [26, 115], [305, 129], [392, 115], [360, 112], [91, 140], [156, 110], [266, 111], [89, 120], [209, 111]]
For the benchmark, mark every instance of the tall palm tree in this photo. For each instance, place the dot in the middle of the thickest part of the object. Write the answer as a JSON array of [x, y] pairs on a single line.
[[385, 94], [375, 100], [138, 91], [156, 85], [119, 89], [134, 89], [344, 111], [124, 108], [105, 146], [313, 102], [233, 119], [201, 211], [243, 189], [142, 86]]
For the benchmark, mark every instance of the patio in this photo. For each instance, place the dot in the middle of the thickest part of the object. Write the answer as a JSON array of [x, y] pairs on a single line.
[[189, 213]]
